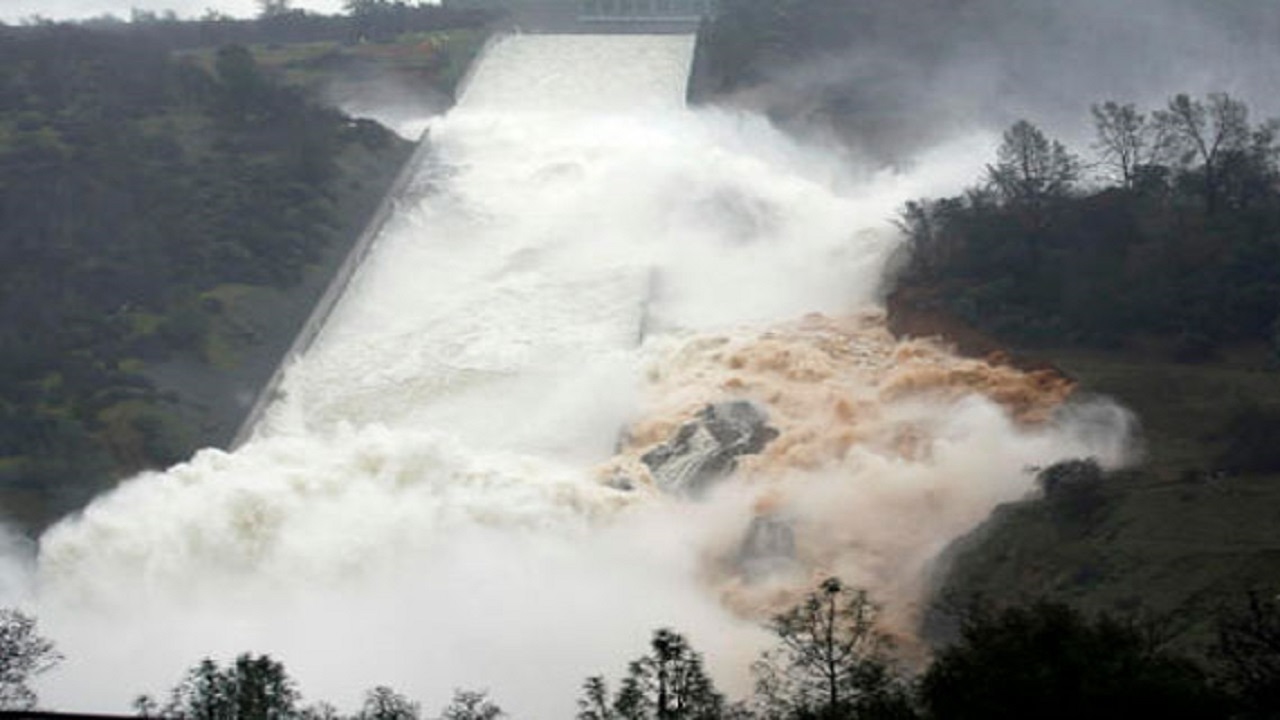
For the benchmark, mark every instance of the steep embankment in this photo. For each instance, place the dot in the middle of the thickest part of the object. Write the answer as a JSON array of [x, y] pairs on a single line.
[[1191, 527], [1180, 533], [169, 221]]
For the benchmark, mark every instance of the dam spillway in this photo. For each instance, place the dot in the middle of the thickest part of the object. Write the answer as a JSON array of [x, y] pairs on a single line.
[[497, 264], [442, 496], [526, 74]]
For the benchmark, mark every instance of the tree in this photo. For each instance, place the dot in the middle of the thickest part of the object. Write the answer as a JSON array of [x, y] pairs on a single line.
[[320, 711], [375, 20], [253, 688], [1127, 141], [1048, 661], [472, 705], [146, 706], [1030, 168], [669, 683], [383, 703], [1073, 489], [594, 703], [273, 8], [24, 654], [205, 694], [832, 662], [240, 79], [1207, 134]]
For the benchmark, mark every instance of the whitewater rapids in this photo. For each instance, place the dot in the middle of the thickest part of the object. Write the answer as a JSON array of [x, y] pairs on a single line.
[[583, 262]]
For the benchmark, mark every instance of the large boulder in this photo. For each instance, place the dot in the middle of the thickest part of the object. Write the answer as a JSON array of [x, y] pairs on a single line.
[[707, 448]]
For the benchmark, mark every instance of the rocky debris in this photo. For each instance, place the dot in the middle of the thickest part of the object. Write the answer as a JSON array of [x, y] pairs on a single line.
[[707, 448], [620, 481], [768, 548]]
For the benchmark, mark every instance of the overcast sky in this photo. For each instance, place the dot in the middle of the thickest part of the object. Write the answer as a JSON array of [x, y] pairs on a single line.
[[14, 10]]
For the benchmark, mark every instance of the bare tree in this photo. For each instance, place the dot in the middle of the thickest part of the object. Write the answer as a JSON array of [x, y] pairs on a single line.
[[1030, 168], [1127, 140], [472, 705], [383, 703], [832, 661], [1206, 133]]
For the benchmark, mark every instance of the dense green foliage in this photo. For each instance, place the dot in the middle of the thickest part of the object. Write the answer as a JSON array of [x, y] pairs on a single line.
[[134, 189], [365, 20], [1048, 661], [1182, 240]]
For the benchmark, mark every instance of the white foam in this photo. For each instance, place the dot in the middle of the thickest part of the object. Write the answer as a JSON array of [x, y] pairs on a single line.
[[421, 509]]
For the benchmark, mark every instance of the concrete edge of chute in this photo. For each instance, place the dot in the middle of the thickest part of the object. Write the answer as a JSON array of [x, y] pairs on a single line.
[[314, 325]]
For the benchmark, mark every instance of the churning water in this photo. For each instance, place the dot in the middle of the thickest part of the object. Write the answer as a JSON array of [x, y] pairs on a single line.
[[450, 493]]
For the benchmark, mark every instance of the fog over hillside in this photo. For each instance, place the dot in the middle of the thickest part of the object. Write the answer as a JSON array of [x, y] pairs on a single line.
[[900, 73]]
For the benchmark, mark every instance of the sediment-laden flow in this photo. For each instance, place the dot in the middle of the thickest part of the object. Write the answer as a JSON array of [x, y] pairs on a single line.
[[464, 483]]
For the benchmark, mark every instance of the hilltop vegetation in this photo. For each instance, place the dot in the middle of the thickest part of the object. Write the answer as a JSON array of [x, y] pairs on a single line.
[[1156, 282], [166, 220], [1180, 238]]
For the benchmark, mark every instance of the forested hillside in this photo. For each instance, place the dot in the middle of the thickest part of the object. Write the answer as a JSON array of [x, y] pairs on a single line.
[[1155, 279], [1179, 238], [1141, 258], [165, 220]]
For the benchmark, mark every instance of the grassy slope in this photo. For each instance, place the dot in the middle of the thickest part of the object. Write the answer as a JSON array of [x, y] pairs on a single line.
[[1174, 536]]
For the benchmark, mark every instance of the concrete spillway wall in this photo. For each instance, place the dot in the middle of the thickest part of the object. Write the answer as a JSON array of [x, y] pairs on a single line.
[[342, 277], [324, 307]]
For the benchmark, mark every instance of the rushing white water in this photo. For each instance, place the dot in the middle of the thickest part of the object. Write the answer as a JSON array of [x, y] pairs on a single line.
[[424, 508]]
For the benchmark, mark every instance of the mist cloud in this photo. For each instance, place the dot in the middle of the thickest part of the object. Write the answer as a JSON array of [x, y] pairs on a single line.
[[929, 70]]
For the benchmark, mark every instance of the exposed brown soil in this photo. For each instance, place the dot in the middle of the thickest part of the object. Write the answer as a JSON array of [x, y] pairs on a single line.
[[914, 313]]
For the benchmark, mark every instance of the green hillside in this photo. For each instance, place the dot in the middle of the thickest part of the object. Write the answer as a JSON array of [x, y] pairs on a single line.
[[168, 218]]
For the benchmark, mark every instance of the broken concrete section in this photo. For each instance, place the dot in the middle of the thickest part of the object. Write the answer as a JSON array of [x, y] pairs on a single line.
[[707, 448]]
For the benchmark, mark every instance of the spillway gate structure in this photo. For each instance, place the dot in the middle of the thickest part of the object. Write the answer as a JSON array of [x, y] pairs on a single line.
[[609, 16]]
